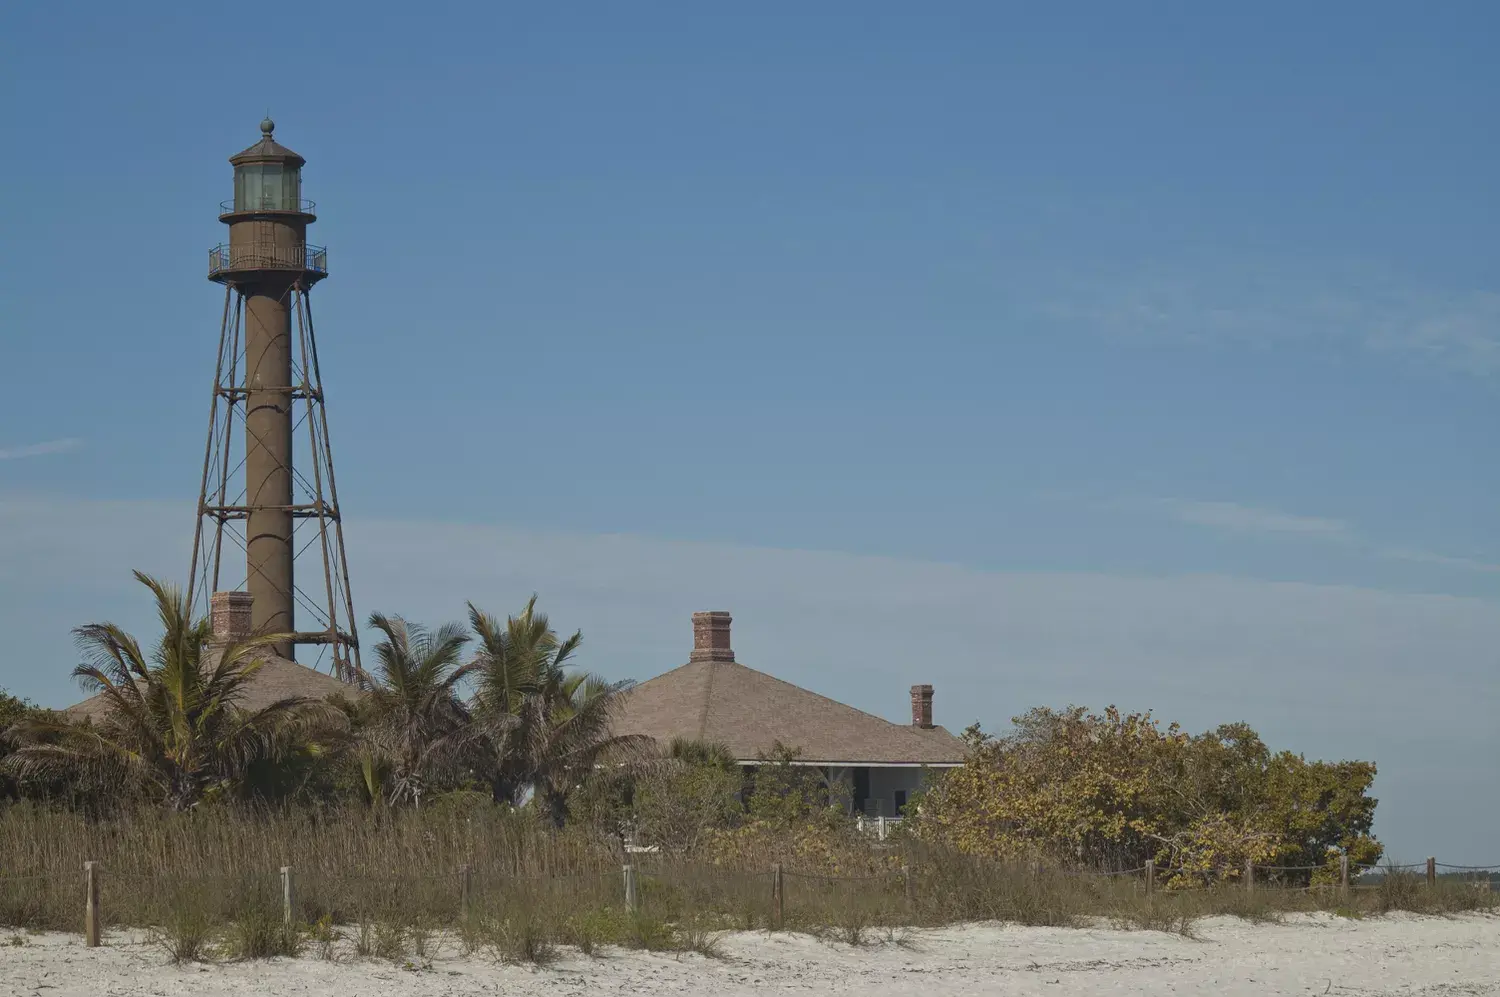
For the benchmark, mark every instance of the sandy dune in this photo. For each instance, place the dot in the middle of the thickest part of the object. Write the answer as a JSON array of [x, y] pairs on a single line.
[[1408, 956]]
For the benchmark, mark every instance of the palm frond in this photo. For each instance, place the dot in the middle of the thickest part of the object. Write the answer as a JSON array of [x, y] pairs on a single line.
[[172, 722]]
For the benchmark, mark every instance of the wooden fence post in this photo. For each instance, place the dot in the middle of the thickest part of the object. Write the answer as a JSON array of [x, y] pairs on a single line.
[[631, 901], [1344, 879], [91, 904], [909, 883], [288, 897], [465, 890], [1249, 875], [1150, 877], [778, 894], [1431, 871]]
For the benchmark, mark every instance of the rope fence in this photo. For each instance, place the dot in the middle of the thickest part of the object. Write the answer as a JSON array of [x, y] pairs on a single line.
[[1119, 872], [1493, 867]]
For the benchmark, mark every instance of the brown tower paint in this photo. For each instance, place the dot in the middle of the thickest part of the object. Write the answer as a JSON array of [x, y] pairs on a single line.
[[268, 461], [268, 231], [268, 373]]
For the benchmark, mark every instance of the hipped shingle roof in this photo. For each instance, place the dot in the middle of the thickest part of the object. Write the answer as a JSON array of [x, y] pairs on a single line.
[[749, 711]]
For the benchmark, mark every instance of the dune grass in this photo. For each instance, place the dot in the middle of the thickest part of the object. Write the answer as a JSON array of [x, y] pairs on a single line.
[[388, 886]]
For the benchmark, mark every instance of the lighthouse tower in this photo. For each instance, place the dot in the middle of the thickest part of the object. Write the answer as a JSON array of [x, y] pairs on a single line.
[[268, 491]]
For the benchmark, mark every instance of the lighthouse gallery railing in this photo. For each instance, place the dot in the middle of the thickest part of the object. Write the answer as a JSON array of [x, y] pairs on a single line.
[[256, 256]]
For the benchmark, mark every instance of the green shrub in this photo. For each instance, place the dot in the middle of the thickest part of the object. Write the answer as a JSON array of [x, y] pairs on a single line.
[[186, 935]]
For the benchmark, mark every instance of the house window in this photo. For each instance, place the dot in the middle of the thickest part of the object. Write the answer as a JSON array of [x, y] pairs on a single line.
[[900, 801]]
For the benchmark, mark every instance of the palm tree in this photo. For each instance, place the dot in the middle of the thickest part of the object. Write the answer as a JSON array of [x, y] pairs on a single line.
[[415, 727], [702, 754], [508, 669], [546, 727], [172, 725], [570, 723]]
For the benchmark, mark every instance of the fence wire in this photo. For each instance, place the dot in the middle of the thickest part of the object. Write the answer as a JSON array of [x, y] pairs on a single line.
[[660, 886], [660, 868]]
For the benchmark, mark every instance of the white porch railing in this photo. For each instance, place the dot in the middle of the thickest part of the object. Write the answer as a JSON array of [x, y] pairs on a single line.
[[878, 826]]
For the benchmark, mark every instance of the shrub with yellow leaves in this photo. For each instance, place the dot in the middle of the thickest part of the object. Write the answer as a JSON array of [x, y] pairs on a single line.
[[1112, 790]]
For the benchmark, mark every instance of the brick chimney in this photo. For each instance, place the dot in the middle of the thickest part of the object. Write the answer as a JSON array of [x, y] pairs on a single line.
[[921, 706], [711, 637], [230, 614]]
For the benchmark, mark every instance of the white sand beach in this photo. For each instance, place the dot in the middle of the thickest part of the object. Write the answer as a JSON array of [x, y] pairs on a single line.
[[1310, 954]]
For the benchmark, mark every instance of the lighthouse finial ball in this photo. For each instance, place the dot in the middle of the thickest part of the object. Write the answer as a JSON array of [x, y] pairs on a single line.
[[267, 126]]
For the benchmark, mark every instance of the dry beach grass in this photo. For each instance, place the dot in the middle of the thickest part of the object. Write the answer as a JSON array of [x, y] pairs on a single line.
[[386, 885]]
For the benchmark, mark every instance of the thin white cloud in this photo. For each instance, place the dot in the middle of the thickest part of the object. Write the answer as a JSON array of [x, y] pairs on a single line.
[[1441, 560], [40, 449], [1237, 518], [1256, 305], [1251, 519]]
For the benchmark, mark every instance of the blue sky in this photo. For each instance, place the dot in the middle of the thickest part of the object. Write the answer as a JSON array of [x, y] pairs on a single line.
[[1051, 354]]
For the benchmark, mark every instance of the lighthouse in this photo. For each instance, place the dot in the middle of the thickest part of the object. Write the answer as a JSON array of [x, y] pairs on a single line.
[[268, 492]]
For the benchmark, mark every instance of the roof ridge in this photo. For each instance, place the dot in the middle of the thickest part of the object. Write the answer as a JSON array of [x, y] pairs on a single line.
[[658, 678], [819, 695], [708, 698]]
